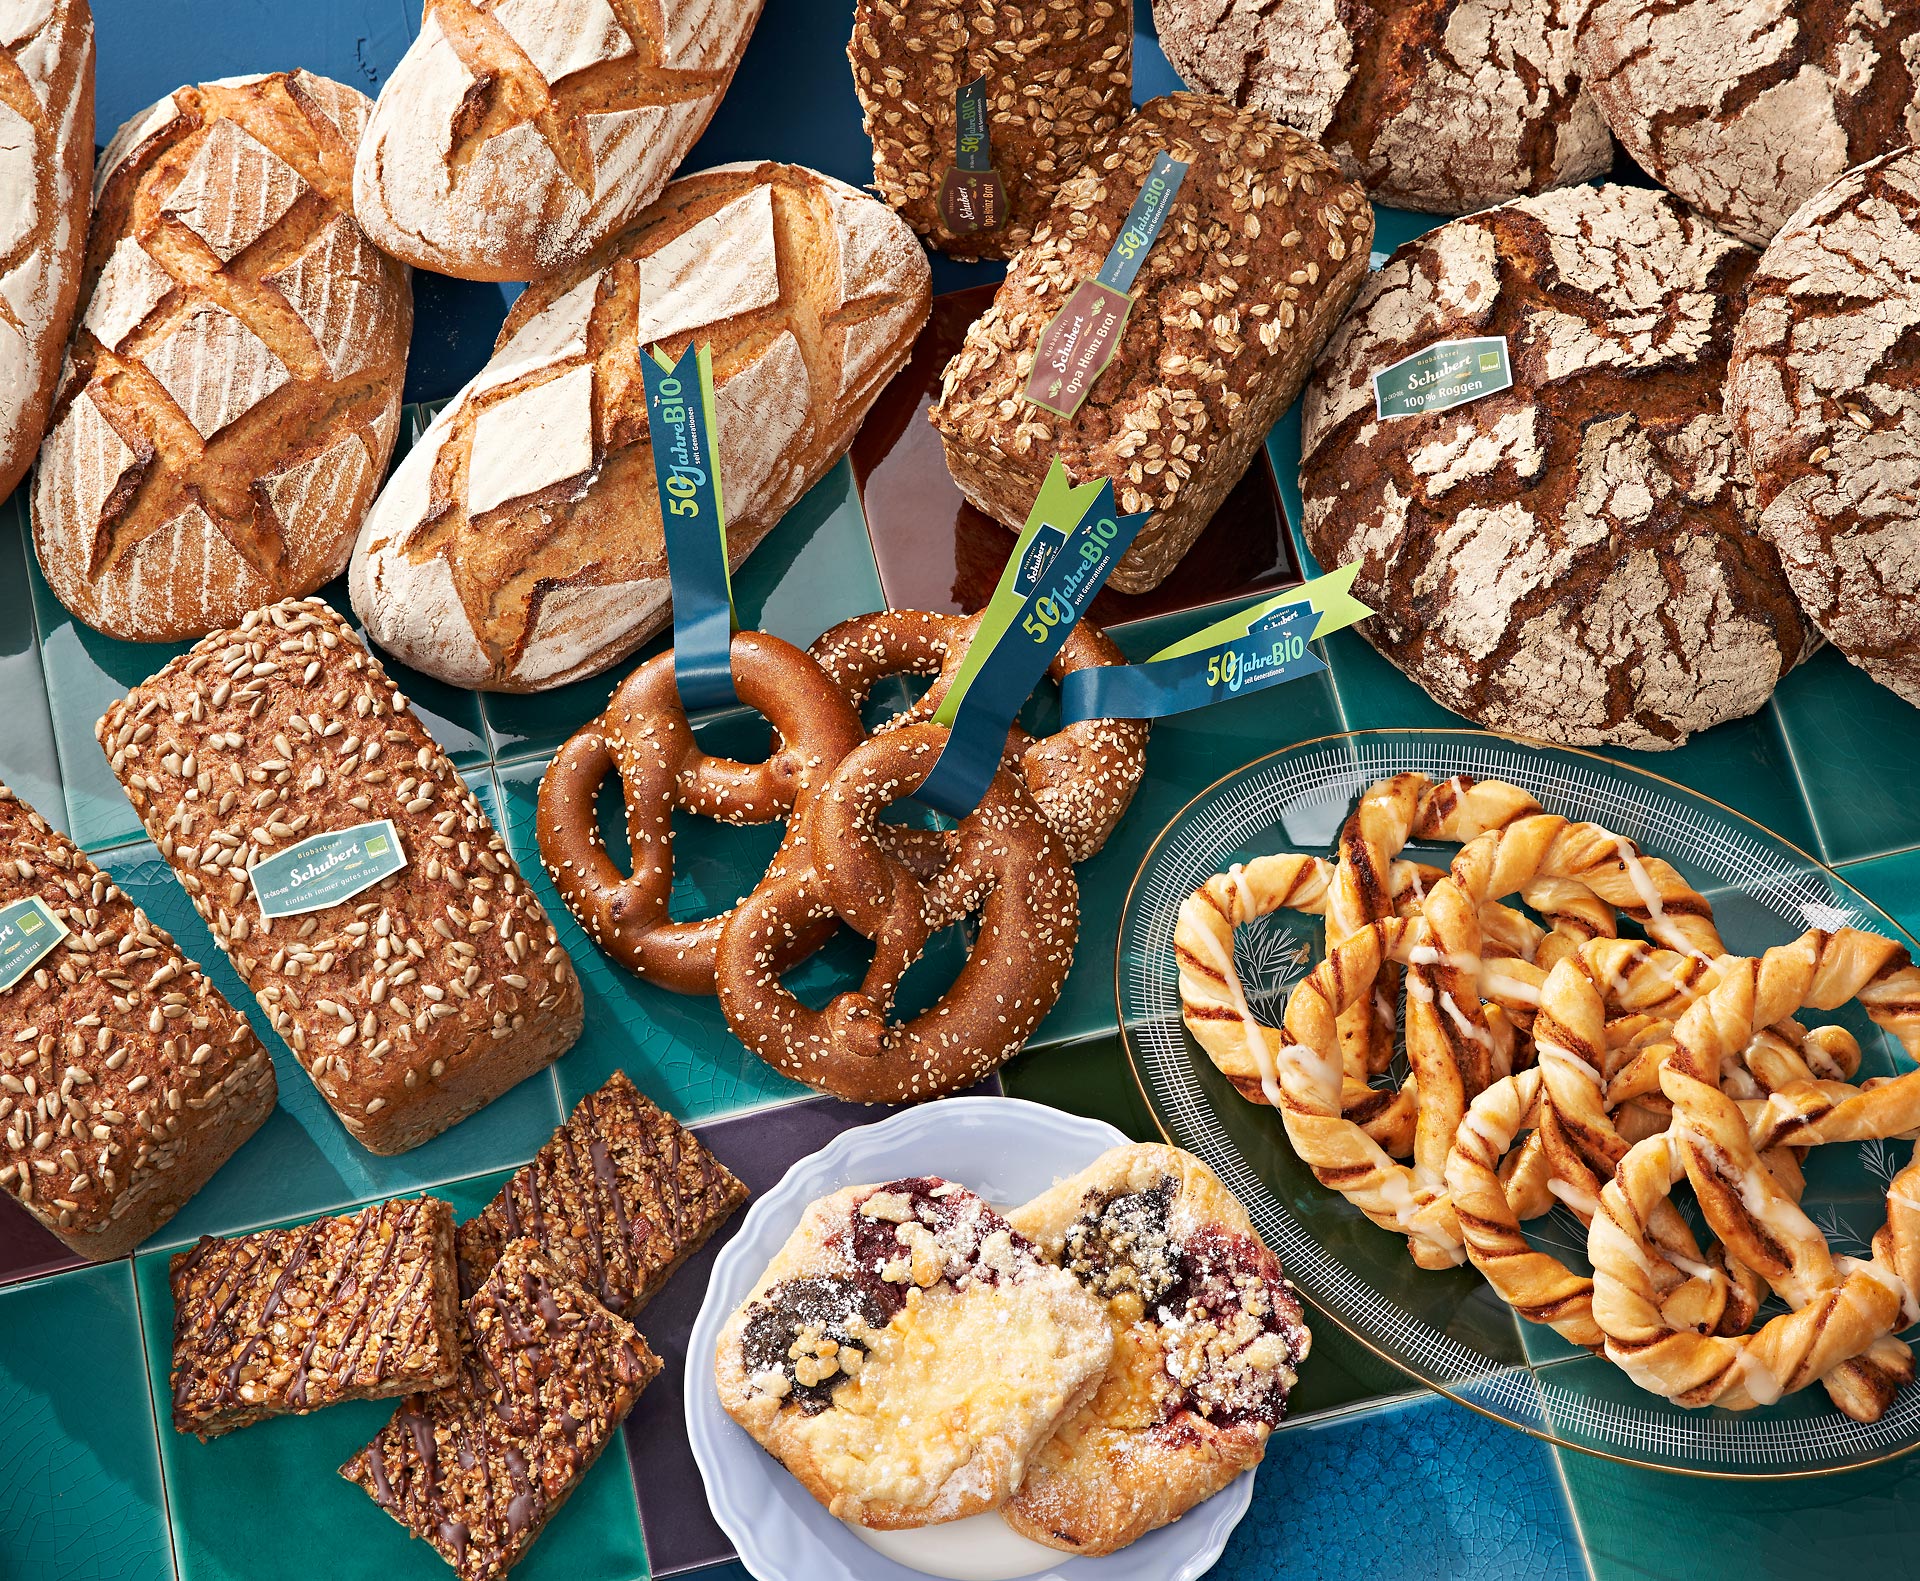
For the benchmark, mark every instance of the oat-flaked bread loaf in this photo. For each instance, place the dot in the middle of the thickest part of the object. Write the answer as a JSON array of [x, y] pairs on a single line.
[[412, 1003], [46, 158], [1262, 250], [518, 545], [515, 136], [1441, 105], [1572, 558], [125, 1079], [1746, 108], [1824, 394], [233, 384], [1059, 73]]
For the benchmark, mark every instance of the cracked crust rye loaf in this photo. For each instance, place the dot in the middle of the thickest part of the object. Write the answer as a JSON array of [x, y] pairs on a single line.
[[1822, 394], [1442, 105], [412, 1003], [1059, 74], [1572, 558], [1263, 248]]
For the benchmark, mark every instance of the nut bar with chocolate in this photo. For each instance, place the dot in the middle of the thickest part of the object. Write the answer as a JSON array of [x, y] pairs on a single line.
[[364, 1306]]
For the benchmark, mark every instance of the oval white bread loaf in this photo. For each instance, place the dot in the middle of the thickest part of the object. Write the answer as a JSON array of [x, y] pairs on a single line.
[[515, 136], [232, 390], [518, 546], [46, 155]]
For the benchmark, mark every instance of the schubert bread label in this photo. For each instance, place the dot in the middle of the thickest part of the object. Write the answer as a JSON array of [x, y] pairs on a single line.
[[1446, 374], [324, 869], [972, 197], [28, 931]]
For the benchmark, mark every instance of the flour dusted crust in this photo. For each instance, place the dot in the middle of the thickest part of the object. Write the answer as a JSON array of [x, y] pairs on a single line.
[[1441, 105], [232, 391], [515, 136], [518, 546], [1745, 108], [1822, 394], [1574, 558], [1207, 1340], [905, 1353], [46, 153]]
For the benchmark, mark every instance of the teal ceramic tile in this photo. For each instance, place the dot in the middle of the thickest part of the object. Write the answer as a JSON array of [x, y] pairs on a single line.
[[1892, 882], [80, 1493], [32, 765], [1854, 743]]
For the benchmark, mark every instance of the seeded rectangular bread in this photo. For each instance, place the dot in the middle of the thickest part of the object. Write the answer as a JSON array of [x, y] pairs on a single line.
[[125, 1079], [412, 1003], [1263, 248]]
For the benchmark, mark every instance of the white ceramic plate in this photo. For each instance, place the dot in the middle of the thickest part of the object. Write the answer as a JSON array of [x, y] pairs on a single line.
[[1008, 1151]]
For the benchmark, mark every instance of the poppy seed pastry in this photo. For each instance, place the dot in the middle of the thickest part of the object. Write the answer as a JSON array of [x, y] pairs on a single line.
[[1440, 105], [1572, 558], [1821, 393], [906, 1352]]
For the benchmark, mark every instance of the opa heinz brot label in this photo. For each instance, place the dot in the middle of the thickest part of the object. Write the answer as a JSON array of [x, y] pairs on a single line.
[[1447, 374], [325, 869], [28, 930]]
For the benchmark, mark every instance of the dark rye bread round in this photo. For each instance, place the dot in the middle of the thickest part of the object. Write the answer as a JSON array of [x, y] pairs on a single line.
[[1570, 559], [1746, 108], [1440, 105], [1824, 396]]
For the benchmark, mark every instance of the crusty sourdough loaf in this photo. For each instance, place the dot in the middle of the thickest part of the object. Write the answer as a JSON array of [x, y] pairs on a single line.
[[515, 136], [1824, 394], [233, 385], [1572, 558], [46, 158], [1746, 108], [518, 545], [1262, 250], [1059, 73], [1441, 105], [125, 1079], [412, 1003]]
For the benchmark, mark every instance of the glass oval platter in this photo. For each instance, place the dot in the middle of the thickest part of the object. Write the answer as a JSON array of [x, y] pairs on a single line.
[[1448, 1329]]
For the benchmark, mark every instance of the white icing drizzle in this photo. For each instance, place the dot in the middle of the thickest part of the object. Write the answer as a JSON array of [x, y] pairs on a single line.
[[1254, 1033], [1578, 1198], [1563, 1058], [1643, 885], [1248, 910], [1884, 1276], [1761, 1384], [1479, 1034]]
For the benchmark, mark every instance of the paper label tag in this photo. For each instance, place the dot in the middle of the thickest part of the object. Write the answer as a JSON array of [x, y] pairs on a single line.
[[972, 197], [28, 932], [325, 869], [1447, 374]]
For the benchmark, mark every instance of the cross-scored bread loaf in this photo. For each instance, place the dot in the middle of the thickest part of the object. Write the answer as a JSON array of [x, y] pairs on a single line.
[[515, 136], [1263, 248], [1059, 73], [46, 156], [233, 386], [519, 545], [412, 1003]]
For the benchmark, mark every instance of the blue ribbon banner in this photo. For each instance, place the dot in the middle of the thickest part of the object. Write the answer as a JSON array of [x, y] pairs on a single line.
[[681, 421]]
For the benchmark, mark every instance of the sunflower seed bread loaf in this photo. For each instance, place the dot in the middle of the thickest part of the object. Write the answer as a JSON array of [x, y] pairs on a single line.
[[518, 545], [1059, 73], [233, 385], [412, 1003], [1262, 250], [126, 1080], [46, 158], [515, 136]]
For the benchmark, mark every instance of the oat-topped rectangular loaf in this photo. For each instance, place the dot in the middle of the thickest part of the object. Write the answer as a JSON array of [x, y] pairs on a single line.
[[125, 1079], [1263, 247], [410, 1003]]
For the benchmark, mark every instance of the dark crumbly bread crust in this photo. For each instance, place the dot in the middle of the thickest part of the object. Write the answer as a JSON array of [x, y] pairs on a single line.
[[479, 1468], [125, 1079], [363, 1306], [413, 1003], [1263, 249], [619, 1198]]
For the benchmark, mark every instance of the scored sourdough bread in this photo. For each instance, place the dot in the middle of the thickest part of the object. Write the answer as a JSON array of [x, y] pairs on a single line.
[[1264, 245], [1572, 558], [1824, 394], [233, 385], [518, 545], [1441, 105], [46, 157], [515, 136]]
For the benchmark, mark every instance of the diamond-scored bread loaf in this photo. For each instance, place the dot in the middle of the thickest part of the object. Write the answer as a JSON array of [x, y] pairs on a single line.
[[233, 384], [518, 545]]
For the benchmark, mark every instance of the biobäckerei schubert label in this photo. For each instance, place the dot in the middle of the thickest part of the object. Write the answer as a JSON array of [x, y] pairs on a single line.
[[325, 869], [1448, 373], [28, 930], [972, 197]]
